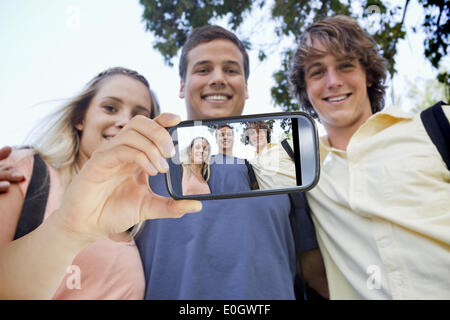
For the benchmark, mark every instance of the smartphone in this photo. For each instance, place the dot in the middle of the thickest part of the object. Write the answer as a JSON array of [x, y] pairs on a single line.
[[244, 156]]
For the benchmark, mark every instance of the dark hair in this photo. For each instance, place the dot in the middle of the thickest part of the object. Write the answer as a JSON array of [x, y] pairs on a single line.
[[225, 125], [258, 125], [206, 34], [343, 37]]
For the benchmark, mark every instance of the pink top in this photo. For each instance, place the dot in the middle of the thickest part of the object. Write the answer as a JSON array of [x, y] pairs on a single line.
[[105, 269], [195, 184]]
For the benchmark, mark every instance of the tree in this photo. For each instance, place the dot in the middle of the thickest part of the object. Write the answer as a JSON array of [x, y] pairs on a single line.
[[171, 20], [424, 93]]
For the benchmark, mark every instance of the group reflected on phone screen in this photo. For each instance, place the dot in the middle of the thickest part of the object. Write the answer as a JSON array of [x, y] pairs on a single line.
[[263, 149]]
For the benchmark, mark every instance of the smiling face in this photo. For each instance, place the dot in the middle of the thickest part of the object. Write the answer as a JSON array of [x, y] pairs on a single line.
[[215, 84], [199, 151], [337, 89], [225, 140], [257, 138], [118, 99]]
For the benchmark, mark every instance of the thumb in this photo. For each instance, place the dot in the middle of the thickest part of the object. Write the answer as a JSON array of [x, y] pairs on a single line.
[[155, 207], [167, 119]]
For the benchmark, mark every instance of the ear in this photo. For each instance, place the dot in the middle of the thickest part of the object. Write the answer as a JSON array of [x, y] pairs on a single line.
[[181, 93], [246, 90], [79, 126]]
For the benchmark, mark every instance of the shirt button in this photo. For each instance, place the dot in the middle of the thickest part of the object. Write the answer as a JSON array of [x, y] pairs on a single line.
[[397, 278], [399, 282], [385, 242]]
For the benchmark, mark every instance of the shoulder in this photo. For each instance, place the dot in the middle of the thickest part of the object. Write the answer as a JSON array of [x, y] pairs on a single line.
[[21, 160], [17, 157], [436, 112], [12, 201], [274, 145], [446, 109]]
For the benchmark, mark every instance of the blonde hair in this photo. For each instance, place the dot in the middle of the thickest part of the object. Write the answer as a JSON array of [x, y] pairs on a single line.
[[205, 170], [57, 140]]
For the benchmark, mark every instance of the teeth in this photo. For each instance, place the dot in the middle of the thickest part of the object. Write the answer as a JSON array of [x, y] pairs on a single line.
[[336, 99], [216, 98]]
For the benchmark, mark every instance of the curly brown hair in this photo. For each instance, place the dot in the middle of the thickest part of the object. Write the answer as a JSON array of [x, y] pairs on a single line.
[[257, 125], [343, 37]]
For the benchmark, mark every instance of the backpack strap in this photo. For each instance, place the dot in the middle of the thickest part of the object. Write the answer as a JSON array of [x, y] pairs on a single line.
[[438, 128], [288, 149], [35, 200], [251, 174], [298, 202]]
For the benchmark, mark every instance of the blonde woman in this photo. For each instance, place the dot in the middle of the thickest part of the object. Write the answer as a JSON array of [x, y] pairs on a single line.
[[99, 149], [196, 169]]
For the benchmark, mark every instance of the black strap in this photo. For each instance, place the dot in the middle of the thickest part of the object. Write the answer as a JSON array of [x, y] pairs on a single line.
[[298, 201], [438, 128], [291, 154], [299, 282], [35, 201], [288, 149], [251, 174]]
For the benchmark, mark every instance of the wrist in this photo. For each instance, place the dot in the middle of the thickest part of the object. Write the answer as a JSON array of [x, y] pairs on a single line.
[[64, 231]]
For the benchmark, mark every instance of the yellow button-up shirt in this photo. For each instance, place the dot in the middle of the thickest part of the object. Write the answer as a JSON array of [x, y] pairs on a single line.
[[382, 212], [274, 168]]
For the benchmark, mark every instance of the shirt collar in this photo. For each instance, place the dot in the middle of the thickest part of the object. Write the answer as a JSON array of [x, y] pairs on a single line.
[[269, 146], [377, 122]]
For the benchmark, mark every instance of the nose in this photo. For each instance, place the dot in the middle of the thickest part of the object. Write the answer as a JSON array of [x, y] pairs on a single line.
[[123, 118], [333, 79], [217, 80]]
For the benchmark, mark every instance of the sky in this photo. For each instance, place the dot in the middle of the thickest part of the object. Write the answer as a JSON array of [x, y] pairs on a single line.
[[49, 49]]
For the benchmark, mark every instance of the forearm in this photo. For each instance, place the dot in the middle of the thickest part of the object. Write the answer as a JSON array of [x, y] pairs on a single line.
[[33, 266]]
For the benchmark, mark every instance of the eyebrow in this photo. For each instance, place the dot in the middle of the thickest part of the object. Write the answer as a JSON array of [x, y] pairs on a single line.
[[203, 62], [338, 60], [113, 98], [121, 101], [316, 64]]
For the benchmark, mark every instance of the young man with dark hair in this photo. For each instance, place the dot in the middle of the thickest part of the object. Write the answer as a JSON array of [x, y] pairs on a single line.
[[229, 173], [225, 140], [235, 248], [381, 208]]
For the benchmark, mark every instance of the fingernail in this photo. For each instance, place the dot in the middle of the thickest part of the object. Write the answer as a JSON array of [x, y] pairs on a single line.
[[169, 149], [16, 175], [164, 164], [4, 184], [152, 168], [170, 116]]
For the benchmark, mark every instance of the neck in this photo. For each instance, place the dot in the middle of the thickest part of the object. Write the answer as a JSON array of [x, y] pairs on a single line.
[[339, 140], [260, 149], [339, 137], [82, 158], [196, 168], [227, 152]]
